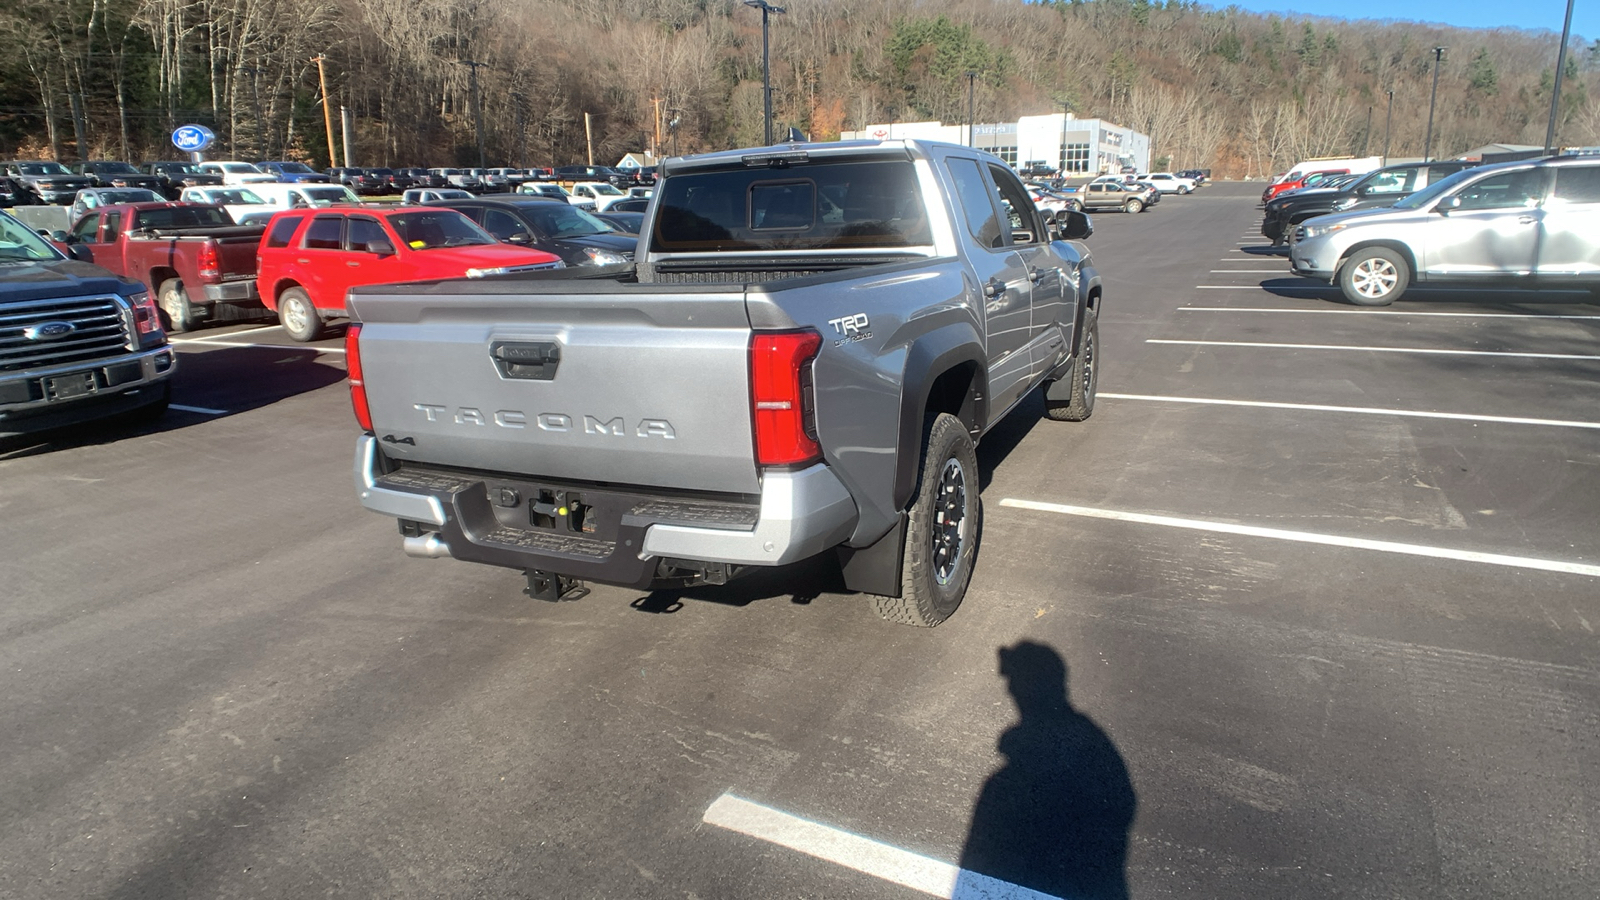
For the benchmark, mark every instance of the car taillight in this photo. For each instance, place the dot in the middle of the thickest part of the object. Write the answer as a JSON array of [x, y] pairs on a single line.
[[209, 267], [781, 397], [358, 386]]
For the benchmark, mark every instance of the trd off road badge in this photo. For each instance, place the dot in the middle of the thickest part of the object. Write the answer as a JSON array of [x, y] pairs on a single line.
[[852, 328]]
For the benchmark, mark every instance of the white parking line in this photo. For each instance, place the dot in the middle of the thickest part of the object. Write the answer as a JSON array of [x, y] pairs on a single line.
[[880, 860], [1252, 271], [1379, 312], [197, 409], [1311, 537], [1257, 287], [1375, 349], [1358, 410]]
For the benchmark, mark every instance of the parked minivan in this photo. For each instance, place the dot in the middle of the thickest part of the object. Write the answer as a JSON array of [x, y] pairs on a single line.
[[1532, 223]]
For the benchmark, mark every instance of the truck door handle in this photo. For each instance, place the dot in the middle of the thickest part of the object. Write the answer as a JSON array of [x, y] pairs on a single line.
[[303, 262], [1526, 220], [993, 287], [1035, 274], [352, 263]]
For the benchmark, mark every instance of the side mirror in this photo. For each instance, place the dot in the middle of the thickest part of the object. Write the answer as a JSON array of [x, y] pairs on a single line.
[[521, 237], [59, 236], [1075, 225], [1447, 204], [80, 253], [381, 248]]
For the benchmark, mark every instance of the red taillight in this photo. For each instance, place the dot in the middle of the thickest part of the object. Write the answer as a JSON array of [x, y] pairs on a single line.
[[780, 396], [209, 267], [358, 386]]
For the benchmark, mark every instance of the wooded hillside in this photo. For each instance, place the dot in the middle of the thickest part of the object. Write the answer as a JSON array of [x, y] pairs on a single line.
[[1241, 93]]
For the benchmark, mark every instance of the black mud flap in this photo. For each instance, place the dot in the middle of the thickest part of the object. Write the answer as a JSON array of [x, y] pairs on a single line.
[[876, 569]]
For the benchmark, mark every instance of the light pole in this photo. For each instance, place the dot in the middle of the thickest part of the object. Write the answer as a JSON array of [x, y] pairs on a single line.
[[1427, 142], [1366, 133], [1555, 95], [477, 108], [767, 9], [972, 122], [1387, 118]]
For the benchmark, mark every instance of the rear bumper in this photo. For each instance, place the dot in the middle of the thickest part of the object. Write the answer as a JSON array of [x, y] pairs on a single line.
[[487, 519], [233, 292]]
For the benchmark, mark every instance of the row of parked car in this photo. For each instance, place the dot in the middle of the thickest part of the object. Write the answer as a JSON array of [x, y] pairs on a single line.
[[1531, 224], [28, 181], [1131, 193]]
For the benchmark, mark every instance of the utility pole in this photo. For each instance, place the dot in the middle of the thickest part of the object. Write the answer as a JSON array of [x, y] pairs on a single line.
[[588, 136], [1388, 117], [1366, 134], [327, 113], [767, 10], [1427, 142], [656, 147], [347, 127], [972, 122], [1555, 95], [672, 128], [477, 109]]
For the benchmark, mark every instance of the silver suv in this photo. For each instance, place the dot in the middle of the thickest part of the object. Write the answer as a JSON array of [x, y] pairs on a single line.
[[1535, 222]]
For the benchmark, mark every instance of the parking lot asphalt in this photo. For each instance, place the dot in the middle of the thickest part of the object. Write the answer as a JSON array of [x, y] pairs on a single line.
[[1307, 609]]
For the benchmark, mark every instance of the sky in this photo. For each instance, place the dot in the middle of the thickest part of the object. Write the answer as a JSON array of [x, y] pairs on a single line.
[[1545, 14]]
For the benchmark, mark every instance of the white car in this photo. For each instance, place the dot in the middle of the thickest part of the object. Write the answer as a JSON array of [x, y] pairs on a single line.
[[419, 196], [235, 172], [601, 193], [304, 196], [244, 205], [1168, 183], [557, 192]]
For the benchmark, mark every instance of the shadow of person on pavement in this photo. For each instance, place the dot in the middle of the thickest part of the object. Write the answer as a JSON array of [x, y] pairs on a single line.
[[1055, 817]]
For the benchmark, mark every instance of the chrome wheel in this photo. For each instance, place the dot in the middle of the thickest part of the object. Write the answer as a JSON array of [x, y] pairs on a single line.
[[950, 523], [295, 317], [1374, 277]]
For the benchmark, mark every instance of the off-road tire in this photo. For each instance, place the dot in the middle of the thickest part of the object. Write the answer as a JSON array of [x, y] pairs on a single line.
[[932, 585], [1133, 206], [298, 316], [1084, 376], [1376, 276], [177, 313]]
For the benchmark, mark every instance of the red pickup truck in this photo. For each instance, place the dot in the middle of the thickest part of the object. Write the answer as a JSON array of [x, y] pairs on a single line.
[[193, 258], [310, 259]]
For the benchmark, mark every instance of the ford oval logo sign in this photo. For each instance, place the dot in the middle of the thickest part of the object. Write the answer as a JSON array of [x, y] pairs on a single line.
[[48, 331]]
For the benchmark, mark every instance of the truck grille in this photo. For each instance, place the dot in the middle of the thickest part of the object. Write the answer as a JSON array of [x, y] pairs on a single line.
[[98, 331]]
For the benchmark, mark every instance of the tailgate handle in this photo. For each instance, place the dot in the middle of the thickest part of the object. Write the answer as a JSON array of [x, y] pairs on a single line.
[[526, 360]]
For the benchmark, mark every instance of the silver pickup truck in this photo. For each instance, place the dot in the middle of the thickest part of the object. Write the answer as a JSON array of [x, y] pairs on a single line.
[[801, 358]]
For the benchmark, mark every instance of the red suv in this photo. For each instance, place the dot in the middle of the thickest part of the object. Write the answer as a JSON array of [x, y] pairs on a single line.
[[309, 259]]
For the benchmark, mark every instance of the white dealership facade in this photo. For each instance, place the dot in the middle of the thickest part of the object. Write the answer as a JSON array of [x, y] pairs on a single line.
[[1075, 146]]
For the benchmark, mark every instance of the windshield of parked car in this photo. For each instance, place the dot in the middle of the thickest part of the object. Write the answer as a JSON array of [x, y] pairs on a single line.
[[1432, 192], [234, 195], [560, 220], [237, 168], [127, 195], [435, 229], [42, 168], [19, 243], [296, 168], [113, 168], [330, 194], [874, 204]]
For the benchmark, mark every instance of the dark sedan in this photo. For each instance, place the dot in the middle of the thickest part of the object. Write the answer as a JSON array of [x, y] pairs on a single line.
[[576, 236]]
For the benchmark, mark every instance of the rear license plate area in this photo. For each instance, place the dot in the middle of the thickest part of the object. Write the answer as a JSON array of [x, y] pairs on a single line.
[[65, 387]]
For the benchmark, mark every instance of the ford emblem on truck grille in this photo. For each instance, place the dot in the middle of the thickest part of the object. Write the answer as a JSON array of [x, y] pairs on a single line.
[[48, 331]]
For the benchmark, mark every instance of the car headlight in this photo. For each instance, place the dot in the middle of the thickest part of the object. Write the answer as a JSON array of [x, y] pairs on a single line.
[[1311, 231], [599, 257]]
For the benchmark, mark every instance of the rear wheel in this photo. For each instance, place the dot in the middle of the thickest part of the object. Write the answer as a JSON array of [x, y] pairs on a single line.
[[177, 313], [1183, 189], [1376, 276], [942, 528], [298, 315], [1133, 206]]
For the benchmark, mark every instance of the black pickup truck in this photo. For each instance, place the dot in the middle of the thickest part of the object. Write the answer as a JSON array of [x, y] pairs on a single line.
[[76, 342]]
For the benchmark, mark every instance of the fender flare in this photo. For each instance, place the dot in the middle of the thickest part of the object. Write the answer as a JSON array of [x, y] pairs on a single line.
[[929, 357]]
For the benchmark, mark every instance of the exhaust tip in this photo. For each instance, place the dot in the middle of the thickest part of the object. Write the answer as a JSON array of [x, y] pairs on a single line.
[[426, 546]]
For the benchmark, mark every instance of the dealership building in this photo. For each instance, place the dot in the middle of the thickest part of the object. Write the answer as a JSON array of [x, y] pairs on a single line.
[[1073, 145]]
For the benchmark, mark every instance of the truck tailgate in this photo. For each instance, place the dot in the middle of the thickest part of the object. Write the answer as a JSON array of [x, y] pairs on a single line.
[[236, 255], [566, 379]]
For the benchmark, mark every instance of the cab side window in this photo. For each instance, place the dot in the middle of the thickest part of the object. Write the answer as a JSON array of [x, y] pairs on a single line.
[[1023, 216], [362, 231], [1577, 184], [1511, 190], [1399, 181], [973, 189], [112, 229], [324, 233], [83, 232], [504, 226]]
